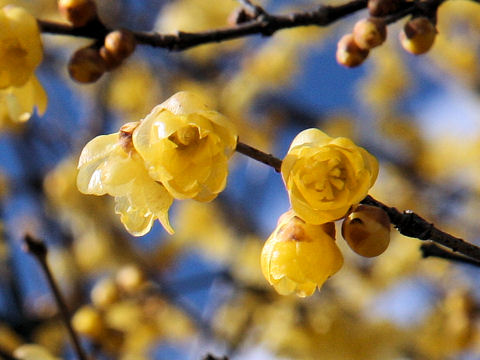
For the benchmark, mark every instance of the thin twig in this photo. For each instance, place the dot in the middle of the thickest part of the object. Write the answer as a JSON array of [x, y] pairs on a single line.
[[254, 9], [266, 25], [430, 249], [38, 249], [413, 225], [258, 155]]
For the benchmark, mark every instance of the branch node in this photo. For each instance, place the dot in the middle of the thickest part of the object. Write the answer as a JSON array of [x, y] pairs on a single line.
[[413, 225]]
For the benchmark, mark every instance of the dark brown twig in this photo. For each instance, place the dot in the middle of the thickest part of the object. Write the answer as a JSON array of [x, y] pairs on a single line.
[[38, 249], [430, 249], [413, 225], [258, 155], [265, 24]]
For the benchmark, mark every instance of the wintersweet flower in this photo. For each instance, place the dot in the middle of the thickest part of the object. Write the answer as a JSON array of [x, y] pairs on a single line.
[[299, 257], [17, 103], [20, 46], [324, 176], [186, 147], [109, 165]]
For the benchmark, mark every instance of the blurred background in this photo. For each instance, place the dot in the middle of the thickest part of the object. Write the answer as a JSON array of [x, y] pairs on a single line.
[[201, 290]]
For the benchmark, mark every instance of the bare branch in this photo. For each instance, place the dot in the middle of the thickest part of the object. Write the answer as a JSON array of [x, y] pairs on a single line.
[[38, 249], [430, 249]]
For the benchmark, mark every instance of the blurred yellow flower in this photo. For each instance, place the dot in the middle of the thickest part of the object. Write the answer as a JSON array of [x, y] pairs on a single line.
[[299, 257], [324, 176], [105, 167], [17, 103], [186, 147], [20, 46], [33, 352]]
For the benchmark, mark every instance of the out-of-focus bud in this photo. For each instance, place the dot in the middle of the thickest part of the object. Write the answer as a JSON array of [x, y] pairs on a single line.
[[369, 33], [349, 54], [86, 65], [104, 293], [120, 44], [130, 278], [88, 321], [418, 35], [367, 230], [111, 62], [78, 12], [383, 7]]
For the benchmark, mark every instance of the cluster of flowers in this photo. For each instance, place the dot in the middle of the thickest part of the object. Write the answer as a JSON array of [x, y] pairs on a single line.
[[20, 54], [325, 178], [178, 151], [181, 150]]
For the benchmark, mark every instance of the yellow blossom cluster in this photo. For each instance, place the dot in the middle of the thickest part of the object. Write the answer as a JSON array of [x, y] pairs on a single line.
[[180, 150], [324, 178], [20, 54]]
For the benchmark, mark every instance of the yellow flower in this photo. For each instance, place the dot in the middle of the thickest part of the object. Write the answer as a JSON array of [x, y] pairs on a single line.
[[324, 176], [105, 167], [33, 352], [17, 103], [20, 46], [186, 147], [298, 257]]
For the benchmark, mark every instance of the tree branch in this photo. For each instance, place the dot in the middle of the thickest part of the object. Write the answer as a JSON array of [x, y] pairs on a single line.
[[430, 249], [265, 24], [407, 223], [38, 249]]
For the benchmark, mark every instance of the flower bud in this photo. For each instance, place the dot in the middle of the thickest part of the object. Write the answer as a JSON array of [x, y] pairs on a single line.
[[111, 62], [367, 230], [369, 33], [383, 7], [86, 65], [418, 35], [299, 257], [88, 321], [349, 54], [104, 293], [78, 12], [120, 44], [130, 278]]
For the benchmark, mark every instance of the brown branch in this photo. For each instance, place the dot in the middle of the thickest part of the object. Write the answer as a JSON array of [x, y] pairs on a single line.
[[38, 249], [267, 159], [430, 249], [412, 225], [265, 24], [407, 223]]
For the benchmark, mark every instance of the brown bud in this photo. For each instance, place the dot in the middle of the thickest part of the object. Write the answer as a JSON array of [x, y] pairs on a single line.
[[238, 16], [367, 230], [349, 53], [111, 62], [369, 33], [86, 65], [120, 44], [383, 7], [418, 35], [78, 12]]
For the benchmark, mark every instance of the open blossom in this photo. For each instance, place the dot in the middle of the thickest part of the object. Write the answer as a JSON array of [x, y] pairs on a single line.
[[20, 54], [299, 257], [20, 46], [186, 147], [324, 176], [108, 166]]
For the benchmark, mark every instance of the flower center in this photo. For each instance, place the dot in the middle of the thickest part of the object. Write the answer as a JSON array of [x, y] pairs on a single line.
[[326, 178], [185, 136], [12, 52]]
